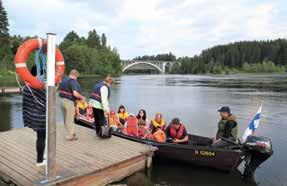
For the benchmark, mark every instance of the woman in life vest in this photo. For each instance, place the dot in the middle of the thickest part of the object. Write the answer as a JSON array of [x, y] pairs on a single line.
[[131, 126], [176, 132], [142, 116], [159, 135], [158, 121], [122, 114], [114, 121]]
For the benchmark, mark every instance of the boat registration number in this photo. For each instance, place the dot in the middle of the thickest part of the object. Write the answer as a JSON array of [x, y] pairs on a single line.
[[204, 153]]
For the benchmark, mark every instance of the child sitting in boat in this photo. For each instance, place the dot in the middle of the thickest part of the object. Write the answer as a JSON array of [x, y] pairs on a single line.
[[114, 121], [131, 126], [143, 131], [142, 116], [84, 112], [159, 135], [158, 121], [122, 114]]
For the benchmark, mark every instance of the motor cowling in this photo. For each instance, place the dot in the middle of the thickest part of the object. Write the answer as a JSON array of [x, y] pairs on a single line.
[[258, 149]]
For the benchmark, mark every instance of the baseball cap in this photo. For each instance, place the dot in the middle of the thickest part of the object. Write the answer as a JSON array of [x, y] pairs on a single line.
[[224, 109]]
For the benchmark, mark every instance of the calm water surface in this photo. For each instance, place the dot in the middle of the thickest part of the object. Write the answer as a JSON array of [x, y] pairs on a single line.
[[195, 99]]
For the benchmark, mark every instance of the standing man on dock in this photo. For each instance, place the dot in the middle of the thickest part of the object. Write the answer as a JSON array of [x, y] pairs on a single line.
[[34, 116], [99, 100], [70, 91]]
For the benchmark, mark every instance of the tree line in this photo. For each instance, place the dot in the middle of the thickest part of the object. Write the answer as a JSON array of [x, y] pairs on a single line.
[[90, 55], [158, 57], [244, 56]]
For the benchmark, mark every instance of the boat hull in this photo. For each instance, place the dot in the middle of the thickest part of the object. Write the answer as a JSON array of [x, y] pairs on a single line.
[[221, 159]]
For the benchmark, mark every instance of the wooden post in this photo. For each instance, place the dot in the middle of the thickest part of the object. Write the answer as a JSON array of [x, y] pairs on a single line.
[[51, 108]]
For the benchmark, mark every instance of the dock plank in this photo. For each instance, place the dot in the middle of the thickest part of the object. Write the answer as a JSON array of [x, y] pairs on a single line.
[[89, 160]]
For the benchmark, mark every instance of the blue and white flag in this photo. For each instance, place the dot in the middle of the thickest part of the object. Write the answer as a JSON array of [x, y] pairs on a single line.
[[253, 125]]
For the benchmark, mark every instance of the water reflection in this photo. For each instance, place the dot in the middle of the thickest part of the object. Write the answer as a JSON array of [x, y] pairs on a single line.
[[170, 173], [195, 100]]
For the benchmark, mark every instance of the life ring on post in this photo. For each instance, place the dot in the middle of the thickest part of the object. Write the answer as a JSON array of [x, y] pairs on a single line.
[[22, 56]]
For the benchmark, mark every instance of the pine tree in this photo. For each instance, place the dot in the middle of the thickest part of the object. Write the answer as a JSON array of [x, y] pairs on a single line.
[[4, 31], [104, 41]]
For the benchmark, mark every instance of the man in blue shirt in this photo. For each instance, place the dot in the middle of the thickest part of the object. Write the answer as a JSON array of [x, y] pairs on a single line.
[[70, 91]]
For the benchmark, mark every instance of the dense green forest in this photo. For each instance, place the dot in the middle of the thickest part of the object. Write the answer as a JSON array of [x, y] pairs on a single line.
[[245, 56], [89, 55]]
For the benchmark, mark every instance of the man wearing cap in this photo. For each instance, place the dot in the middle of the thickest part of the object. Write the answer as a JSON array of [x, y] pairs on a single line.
[[227, 128], [176, 131], [99, 100], [69, 92]]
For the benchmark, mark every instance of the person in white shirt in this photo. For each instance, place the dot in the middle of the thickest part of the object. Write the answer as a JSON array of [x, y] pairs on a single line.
[[99, 100]]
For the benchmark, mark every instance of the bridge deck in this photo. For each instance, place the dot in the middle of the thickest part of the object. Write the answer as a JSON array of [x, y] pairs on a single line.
[[87, 161]]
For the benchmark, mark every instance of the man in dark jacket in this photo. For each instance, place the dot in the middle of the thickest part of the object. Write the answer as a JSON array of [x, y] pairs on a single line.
[[69, 92], [227, 129], [34, 116]]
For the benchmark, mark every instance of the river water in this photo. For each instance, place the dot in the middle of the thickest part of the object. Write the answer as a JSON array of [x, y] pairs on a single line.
[[195, 100]]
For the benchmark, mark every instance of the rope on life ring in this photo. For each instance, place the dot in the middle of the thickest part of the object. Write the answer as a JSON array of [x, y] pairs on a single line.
[[22, 56]]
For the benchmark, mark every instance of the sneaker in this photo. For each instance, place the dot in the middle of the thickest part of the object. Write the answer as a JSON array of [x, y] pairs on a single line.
[[71, 138], [43, 163]]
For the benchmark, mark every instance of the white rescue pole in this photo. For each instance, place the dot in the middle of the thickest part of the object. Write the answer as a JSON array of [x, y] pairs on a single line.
[[51, 108]]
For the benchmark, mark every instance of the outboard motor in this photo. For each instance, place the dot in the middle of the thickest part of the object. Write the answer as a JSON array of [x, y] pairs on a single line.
[[258, 149]]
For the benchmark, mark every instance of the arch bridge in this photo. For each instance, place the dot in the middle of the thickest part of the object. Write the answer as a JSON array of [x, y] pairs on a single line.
[[160, 66]]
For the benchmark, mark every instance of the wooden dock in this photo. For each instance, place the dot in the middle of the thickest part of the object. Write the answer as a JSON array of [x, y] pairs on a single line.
[[10, 90], [87, 161]]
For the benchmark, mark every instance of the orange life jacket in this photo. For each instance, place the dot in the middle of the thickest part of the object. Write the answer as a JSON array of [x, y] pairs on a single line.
[[159, 136], [114, 120], [131, 127], [176, 134], [141, 132]]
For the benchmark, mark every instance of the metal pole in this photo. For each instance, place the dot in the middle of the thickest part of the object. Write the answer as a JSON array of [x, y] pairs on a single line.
[[51, 108]]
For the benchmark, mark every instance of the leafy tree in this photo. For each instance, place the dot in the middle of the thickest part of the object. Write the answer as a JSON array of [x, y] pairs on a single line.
[[93, 40]]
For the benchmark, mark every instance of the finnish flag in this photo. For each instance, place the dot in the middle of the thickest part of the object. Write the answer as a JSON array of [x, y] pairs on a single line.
[[253, 125]]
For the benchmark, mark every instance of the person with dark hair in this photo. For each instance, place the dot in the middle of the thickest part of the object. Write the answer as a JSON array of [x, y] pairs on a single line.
[[99, 100], [227, 128], [176, 132], [142, 117], [123, 114], [69, 92], [34, 116]]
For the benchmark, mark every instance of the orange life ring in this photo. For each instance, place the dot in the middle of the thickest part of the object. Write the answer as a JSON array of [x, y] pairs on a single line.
[[22, 56]]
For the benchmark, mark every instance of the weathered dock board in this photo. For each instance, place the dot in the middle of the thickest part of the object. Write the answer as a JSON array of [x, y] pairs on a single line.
[[87, 161], [10, 90]]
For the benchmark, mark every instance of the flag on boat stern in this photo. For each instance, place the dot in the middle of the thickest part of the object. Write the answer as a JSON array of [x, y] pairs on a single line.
[[253, 125]]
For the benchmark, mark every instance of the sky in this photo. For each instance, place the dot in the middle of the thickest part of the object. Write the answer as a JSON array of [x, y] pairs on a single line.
[[148, 27]]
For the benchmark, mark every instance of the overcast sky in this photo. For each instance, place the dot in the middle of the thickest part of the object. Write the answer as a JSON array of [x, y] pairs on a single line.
[[139, 27]]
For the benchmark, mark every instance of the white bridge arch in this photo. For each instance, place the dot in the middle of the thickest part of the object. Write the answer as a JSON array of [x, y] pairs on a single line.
[[160, 66]]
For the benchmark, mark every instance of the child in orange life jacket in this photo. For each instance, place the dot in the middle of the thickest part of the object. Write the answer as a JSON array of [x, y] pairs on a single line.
[[143, 131], [131, 126], [114, 121], [177, 132], [159, 135]]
